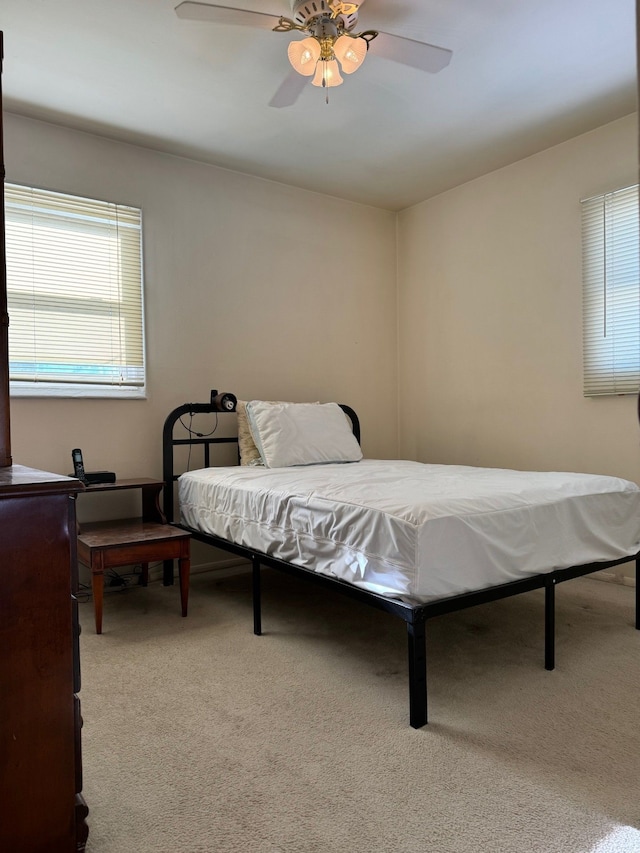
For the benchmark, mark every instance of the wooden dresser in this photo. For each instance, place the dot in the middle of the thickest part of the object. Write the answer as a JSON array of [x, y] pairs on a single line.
[[41, 806]]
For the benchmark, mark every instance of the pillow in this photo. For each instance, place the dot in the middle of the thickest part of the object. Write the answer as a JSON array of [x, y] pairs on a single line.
[[249, 453], [289, 434]]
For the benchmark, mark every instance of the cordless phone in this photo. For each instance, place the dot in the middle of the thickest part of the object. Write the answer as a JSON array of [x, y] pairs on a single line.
[[78, 465], [89, 478]]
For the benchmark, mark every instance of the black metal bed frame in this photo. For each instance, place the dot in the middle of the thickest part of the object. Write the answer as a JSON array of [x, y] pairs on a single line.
[[415, 615]]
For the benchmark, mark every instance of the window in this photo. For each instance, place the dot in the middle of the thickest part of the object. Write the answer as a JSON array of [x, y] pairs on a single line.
[[74, 292], [611, 293]]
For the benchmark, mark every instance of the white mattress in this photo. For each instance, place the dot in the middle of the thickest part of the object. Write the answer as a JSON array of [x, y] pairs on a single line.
[[413, 531]]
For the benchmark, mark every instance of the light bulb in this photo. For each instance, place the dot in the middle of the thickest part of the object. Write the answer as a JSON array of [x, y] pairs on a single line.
[[351, 52], [303, 55], [327, 73]]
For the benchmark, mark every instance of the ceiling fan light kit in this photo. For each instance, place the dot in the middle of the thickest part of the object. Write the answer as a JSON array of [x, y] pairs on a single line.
[[330, 46]]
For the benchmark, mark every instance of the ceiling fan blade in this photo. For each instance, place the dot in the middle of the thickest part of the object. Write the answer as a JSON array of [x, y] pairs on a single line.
[[191, 11], [289, 90], [418, 54]]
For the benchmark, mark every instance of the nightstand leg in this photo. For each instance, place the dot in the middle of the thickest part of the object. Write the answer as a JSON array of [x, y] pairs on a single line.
[[144, 574], [97, 586]]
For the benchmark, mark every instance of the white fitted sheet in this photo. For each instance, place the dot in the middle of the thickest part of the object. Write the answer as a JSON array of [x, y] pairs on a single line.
[[414, 531]]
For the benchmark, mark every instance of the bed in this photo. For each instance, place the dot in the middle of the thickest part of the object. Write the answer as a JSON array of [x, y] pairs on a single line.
[[412, 539]]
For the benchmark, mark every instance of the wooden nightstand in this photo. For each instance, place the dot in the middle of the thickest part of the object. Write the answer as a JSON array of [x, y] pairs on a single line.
[[109, 544]]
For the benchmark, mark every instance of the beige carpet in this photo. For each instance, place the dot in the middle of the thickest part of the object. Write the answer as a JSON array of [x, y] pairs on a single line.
[[202, 738]]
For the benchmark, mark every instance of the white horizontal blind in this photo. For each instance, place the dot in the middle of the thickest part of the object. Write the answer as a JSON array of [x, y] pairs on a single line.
[[611, 293], [74, 290]]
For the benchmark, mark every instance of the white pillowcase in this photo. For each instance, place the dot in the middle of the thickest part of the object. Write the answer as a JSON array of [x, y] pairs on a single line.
[[289, 434]]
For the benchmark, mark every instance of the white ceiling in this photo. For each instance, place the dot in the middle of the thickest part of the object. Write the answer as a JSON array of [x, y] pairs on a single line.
[[525, 75]]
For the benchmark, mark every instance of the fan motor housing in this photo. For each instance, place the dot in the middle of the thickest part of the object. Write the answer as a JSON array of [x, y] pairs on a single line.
[[304, 11]]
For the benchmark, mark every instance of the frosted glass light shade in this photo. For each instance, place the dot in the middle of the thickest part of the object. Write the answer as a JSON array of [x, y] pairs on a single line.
[[351, 52], [303, 55], [327, 73]]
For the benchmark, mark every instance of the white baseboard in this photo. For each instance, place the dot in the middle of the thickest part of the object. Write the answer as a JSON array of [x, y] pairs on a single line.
[[611, 576], [222, 569]]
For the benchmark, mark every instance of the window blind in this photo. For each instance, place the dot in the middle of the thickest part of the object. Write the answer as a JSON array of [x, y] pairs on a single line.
[[611, 293], [74, 293]]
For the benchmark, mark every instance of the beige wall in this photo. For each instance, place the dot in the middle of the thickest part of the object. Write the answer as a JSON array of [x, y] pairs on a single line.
[[274, 292], [250, 286], [490, 324]]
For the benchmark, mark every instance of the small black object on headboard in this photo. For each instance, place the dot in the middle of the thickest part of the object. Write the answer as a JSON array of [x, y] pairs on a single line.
[[225, 402]]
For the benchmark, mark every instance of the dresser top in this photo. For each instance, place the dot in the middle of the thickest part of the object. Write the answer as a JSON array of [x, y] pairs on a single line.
[[18, 479]]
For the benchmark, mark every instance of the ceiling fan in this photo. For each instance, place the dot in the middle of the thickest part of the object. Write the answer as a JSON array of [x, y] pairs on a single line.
[[330, 46]]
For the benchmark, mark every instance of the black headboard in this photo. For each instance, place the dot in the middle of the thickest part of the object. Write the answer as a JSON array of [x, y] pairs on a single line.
[[169, 443]]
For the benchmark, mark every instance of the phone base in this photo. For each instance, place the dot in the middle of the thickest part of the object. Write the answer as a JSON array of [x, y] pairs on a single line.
[[95, 477]]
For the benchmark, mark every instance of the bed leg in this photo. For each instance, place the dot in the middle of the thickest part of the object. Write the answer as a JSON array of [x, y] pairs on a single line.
[[638, 594], [549, 623], [416, 636], [257, 604], [167, 573]]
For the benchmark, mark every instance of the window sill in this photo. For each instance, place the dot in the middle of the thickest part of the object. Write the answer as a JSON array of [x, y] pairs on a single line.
[[107, 392]]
